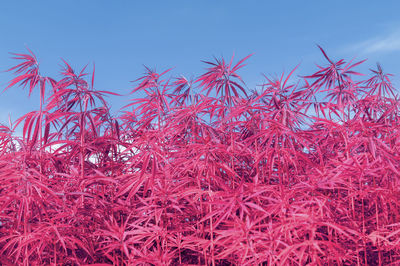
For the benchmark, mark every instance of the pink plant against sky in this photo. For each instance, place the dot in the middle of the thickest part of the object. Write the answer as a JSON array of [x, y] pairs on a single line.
[[203, 171]]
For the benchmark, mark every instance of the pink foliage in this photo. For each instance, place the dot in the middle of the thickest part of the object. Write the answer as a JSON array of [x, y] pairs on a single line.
[[203, 172]]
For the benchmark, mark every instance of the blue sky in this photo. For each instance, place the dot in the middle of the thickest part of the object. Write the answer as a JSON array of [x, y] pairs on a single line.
[[122, 36]]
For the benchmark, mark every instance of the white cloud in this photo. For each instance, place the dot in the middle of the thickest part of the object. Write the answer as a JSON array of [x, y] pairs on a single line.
[[384, 43]]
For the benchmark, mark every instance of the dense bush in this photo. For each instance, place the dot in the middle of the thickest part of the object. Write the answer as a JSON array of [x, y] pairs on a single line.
[[204, 171]]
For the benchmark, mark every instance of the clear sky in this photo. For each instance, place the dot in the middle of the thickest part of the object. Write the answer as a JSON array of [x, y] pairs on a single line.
[[122, 36]]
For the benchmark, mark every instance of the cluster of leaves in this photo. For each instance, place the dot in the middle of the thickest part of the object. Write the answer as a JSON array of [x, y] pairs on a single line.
[[204, 171]]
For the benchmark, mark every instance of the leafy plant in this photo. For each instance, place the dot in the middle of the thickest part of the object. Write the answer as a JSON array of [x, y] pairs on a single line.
[[202, 171]]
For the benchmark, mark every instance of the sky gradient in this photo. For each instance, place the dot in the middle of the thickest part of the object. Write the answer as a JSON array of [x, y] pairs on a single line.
[[122, 36]]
